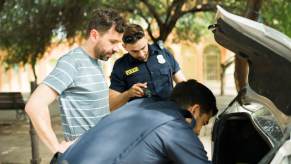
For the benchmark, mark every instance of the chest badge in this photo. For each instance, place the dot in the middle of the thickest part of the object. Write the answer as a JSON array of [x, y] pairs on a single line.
[[131, 71], [161, 59]]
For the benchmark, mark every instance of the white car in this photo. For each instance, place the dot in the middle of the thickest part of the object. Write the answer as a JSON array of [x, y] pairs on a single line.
[[255, 127]]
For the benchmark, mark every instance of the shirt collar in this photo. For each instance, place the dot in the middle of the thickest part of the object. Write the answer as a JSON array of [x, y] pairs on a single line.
[[153, 51], [131, 60]]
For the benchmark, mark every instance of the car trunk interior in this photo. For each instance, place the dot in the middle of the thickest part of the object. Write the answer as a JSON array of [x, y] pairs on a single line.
[[237, 141]]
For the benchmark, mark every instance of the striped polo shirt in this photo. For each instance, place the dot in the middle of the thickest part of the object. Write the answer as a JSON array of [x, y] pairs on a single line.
[[83, 92]]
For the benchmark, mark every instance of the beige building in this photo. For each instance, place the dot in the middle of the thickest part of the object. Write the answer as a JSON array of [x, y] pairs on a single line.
[[198, 61]]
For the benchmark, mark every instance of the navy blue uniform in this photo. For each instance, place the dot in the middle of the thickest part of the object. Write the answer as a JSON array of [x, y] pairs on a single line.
[[157, 71], [141, 132]]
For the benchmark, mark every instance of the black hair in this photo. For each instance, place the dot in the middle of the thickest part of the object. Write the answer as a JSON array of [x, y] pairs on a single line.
[[132, 33], [191, 92]]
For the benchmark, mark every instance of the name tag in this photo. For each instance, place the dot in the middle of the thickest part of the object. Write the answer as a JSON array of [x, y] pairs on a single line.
[[131, 71]]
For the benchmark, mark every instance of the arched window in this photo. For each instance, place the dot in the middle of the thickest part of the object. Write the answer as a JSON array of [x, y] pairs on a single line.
[[211, 63]]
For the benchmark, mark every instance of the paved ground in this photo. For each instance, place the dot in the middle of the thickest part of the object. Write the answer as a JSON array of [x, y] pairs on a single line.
[[15, 139], [15, 143]]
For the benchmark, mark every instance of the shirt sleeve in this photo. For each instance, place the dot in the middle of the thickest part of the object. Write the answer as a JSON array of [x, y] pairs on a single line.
[[181, 144], [62, 76], [117, 82], [173, 63]]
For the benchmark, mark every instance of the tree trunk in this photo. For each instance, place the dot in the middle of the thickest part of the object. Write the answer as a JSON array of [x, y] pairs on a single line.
[[223, 67], [33, 65], [241, 65], [34, 73], [222, 74]]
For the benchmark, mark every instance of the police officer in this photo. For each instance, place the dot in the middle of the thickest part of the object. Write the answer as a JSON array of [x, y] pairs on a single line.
[[145, 71]]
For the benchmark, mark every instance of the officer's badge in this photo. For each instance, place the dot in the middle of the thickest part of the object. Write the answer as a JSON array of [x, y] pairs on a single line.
[[161, 59], [131, 71]]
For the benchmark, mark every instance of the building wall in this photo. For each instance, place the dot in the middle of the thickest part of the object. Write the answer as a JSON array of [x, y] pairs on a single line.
[[190, 57]]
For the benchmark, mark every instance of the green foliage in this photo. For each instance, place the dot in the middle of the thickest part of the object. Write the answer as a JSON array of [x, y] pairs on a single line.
[[26, 29], [193, 27], [75, 14], [237, 7], [276, 14], [28, 26], [162, 16]]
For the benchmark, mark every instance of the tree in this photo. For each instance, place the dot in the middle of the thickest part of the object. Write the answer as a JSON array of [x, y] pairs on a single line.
[[26, 30], [276, 14], [223, 67], [241, 65], [27, 27], [162, 16]]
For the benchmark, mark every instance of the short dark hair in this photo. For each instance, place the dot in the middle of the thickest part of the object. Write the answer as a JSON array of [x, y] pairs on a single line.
[[132, 33], [104, 19], [191, 92]]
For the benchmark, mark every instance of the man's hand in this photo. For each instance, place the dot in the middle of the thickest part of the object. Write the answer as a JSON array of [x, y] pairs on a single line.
[[64, 145], [137, 90]]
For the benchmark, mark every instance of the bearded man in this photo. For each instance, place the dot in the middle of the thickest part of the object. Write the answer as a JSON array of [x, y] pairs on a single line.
[[78, 82]]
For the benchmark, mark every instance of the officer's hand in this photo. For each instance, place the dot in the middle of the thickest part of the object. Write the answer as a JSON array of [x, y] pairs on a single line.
[[137, 90]]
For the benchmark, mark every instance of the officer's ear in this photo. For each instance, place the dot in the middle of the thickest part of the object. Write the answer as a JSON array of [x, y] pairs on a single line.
[[194, 110], [123, 45]]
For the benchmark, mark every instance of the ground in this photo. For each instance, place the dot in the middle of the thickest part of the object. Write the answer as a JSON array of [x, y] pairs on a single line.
[[15, 145]]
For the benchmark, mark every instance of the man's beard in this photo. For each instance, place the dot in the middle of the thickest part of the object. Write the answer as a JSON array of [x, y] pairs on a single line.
[[100, 54], [103, 56]]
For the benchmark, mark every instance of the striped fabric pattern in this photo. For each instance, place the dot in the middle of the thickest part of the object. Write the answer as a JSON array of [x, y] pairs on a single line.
[[83, 93]]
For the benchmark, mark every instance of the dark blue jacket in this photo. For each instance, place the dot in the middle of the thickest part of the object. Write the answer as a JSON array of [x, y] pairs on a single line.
[[142, 131]]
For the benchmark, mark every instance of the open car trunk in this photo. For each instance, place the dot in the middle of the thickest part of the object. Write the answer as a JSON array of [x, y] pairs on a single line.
[[237, 140], [256, 124]]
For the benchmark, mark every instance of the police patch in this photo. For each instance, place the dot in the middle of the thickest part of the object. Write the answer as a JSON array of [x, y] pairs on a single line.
[[131, 71], [161, 59]]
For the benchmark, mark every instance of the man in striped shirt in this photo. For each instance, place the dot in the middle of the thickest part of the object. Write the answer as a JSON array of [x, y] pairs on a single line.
[[78, 82]]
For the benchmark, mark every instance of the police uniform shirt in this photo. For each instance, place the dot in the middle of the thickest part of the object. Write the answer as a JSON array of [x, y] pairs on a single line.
[[157, 71]]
